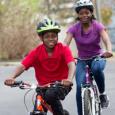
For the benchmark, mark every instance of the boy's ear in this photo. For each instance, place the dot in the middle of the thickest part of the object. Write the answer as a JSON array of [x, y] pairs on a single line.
[[41, 37]]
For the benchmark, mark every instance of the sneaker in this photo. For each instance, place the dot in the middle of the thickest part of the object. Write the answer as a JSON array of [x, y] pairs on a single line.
[[104, 101]]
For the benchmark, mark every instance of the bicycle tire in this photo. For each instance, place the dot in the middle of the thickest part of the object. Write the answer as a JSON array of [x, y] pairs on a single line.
[[99, 109], [41, 113], [99, 112], [65, 112], [87, 104]]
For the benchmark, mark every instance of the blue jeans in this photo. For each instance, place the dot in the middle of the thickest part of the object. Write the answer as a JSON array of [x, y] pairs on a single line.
[[97, 67]]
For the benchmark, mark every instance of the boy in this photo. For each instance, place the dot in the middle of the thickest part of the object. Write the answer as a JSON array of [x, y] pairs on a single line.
[[52, 62]]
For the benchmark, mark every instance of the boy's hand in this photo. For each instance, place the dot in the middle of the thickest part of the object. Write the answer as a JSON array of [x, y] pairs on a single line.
[[66, 82], [9, 81]]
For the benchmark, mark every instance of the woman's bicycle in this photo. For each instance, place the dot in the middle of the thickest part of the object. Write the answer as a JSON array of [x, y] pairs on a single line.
[[91, 104], [90, 96], [41, 107]]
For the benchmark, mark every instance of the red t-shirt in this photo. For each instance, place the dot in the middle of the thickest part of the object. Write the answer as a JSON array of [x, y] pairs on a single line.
[[49, 68]]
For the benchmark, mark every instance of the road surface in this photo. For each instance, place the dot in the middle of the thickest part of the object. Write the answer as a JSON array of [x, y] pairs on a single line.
[[11, 99]]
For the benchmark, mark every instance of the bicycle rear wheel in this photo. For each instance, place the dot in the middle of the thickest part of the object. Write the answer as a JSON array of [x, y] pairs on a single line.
[[97, 102], [99, 112], [97, 107], [87, 103]]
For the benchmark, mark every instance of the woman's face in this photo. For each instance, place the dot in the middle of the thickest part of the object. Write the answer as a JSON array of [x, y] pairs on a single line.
[[85, 15]]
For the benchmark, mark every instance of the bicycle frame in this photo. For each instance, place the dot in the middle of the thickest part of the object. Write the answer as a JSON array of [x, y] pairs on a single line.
[[40, 105], [93, 98]]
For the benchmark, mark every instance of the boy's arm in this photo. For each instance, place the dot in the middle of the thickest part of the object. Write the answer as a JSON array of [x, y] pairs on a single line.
[[71, 73], [19, 69]]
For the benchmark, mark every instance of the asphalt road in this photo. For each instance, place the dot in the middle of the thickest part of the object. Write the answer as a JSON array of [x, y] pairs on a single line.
[[11, 99]]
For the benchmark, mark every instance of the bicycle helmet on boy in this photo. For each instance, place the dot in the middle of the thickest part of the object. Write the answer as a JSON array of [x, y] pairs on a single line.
[[83, 4], [48, 25]]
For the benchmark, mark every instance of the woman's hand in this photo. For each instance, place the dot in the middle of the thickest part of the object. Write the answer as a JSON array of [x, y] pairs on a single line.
[[107, 54], [9, 81]]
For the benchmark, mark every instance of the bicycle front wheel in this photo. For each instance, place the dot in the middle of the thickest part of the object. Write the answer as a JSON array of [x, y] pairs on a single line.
[[87, 103], [65, 112], [41, 113]]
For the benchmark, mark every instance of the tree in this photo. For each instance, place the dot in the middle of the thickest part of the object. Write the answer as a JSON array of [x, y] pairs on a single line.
[[18, 32], [106, 13]]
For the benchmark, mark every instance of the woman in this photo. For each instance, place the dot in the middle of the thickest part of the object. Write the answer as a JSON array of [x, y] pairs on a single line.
[[88, 33]]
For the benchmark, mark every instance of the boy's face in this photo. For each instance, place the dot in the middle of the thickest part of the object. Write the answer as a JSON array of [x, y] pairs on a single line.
[[50, 39]]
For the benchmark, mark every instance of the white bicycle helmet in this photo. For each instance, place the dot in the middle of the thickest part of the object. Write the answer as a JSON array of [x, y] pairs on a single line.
[[83, 3]]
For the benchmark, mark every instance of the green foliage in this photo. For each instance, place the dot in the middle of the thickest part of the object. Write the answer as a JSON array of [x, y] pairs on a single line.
[[18, 20], [106, 13], [18, 32], [18, 24], [1, 8], [32, 4]]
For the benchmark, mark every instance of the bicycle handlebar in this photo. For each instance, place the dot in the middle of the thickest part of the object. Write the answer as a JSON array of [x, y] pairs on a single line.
[[23, 85], [17, 83], [105, 54]]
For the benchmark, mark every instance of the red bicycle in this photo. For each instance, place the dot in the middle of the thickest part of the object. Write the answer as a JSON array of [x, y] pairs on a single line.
[[41, 107]]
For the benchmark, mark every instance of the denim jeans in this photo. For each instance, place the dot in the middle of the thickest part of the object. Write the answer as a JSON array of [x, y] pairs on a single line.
[[97, 66]]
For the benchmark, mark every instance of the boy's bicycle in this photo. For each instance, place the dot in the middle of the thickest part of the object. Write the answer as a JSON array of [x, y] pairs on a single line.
[[41, 107]]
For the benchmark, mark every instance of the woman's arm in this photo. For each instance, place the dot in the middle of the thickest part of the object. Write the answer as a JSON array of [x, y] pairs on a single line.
[[106, 40], [107, 43], [68, 39]]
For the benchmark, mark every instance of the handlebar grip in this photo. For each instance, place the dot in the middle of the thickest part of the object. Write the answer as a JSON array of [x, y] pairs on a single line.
[[16, 83]]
